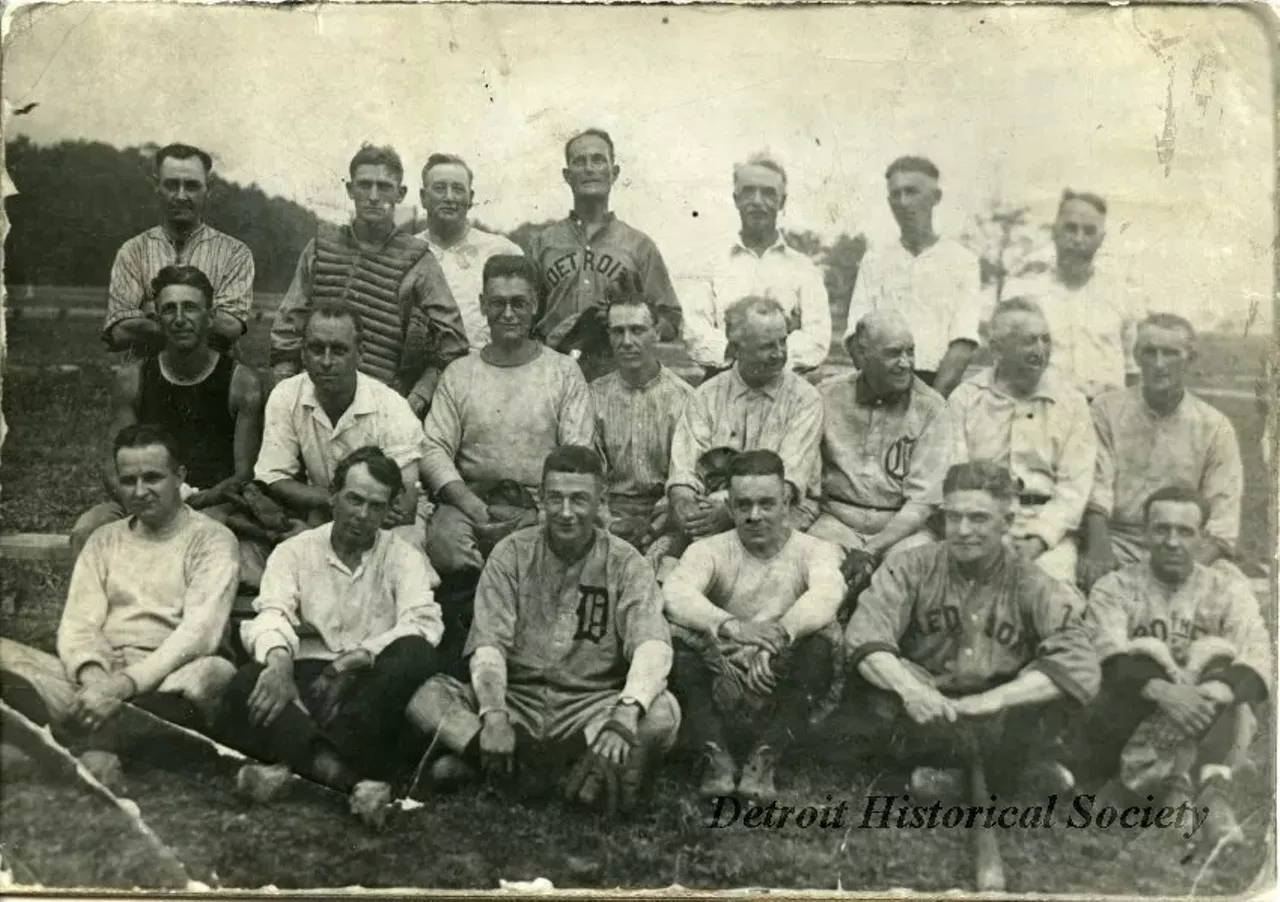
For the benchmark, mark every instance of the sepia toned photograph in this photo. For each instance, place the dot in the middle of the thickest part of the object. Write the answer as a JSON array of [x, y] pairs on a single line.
[[548, 447]]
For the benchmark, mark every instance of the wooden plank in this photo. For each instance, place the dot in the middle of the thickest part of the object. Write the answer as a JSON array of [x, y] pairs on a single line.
[[35, 546]]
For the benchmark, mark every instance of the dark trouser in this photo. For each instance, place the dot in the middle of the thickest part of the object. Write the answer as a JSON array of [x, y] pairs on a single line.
[[777, 720], [1007, 741], [369, 733]]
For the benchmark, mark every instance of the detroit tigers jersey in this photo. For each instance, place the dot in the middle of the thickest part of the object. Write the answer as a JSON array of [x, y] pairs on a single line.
[[1131, 603], [881, 455], [576, 268], [568, 629], [972, 635]]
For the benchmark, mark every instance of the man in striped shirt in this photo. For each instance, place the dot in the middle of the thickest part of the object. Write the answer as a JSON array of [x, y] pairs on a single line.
[[758, 404], [182, 237], [580, 256], [637, 408]]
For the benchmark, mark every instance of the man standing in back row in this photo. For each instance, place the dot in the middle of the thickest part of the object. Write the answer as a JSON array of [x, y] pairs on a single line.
[[182, 187], [932, 281], [591, 249], [410, 325], [461, 247]]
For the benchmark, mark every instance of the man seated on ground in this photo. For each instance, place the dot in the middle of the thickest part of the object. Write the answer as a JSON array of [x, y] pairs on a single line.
[[496, 415], [636, 407], [210, 404], [569, 650], [754, 630], [757, 405], [886, 444], [965, 647], [1157, 434], [1029, 420], [1184, 652], [347, 626], [318, 417], [146, 611]]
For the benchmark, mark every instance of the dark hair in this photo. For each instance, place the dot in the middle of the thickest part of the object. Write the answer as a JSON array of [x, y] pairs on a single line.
[[440, 159], [182, 274], [590, 133], [573, 459], [509, 266], [980, 476], [629, 292], [372, 155], [183, 152], [758, 462], [911, 164], [380, 467], [144, 435], [331, 309], [1180, 494], [1088, 197]]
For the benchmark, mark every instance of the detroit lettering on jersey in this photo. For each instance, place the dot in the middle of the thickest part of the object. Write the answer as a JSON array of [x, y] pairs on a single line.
[[604, 263]]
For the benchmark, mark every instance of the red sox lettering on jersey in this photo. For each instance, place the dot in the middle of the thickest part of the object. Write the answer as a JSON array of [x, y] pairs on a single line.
[[974, 635]]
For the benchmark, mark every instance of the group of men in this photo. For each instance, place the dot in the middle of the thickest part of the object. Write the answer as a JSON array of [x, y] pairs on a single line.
[[486, 526]]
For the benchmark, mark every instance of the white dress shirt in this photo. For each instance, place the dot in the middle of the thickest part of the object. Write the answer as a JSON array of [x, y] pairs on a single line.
[[463, 266]]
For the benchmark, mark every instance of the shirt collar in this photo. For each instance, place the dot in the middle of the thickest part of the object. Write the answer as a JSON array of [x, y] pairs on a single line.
[[363, 403], [437, 249], [740, 388], [1049, 389], [781, 246], [861, 394], [198, 234], [331, 556]]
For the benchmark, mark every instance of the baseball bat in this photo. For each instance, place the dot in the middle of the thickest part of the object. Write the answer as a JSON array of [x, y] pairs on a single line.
[[988, 863]]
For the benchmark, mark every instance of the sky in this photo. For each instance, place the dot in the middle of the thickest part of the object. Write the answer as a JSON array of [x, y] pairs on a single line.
[[1165, 111]]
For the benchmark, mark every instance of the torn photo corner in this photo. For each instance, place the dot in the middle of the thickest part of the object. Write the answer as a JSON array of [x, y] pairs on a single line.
[[977, 283]]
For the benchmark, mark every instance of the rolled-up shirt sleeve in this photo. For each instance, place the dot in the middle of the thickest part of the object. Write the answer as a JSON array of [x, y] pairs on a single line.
[[1065, 652], [276, 607], [280, 455], [126, 290], [691, 439], [417, 611]]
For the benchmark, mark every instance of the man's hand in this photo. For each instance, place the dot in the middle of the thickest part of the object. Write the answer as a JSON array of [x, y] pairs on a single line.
[[760, 676], [699, 517], [274, 691], [767, 634], [926, 705], [419, 404], [858, 566], [1097, 561], [1218, 692], [614, 743], [497, 745], [978, 705], [1031, 547], [1186, 706], [204, 498], [333, 681], [96, 703]]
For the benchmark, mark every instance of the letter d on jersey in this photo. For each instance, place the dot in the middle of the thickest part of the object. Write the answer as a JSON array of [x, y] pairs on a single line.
[[720, 802]]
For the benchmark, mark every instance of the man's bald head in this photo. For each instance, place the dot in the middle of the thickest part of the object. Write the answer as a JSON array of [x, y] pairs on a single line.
[[883, 350]]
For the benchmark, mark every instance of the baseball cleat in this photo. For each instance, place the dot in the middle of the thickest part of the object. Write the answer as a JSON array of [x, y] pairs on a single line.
[[719, 772], [757, 781]]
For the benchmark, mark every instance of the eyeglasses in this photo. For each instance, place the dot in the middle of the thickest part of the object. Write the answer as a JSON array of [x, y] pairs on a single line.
[[519, 306]]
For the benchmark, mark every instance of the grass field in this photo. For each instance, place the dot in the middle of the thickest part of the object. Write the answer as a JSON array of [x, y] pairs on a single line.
[[48, 474]]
